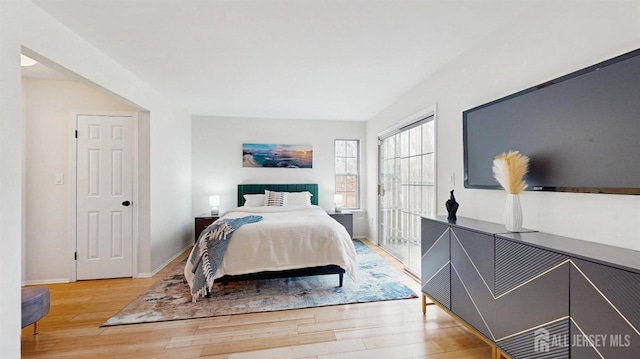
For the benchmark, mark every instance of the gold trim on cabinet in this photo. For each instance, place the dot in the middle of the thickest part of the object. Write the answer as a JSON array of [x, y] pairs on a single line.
[[474, 302], [464, 324], [586, 337], [534, 327], [435, 274], [436, 242], [534, 278], [605, 298], [473, 264]]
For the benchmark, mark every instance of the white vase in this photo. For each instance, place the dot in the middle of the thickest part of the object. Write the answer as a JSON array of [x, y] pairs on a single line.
[[513, 213]]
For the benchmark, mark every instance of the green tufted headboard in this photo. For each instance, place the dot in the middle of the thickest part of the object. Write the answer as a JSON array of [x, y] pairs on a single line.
[[259, 188]]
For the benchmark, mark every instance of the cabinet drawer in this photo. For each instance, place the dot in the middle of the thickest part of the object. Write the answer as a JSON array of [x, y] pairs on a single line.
[[201, 223]]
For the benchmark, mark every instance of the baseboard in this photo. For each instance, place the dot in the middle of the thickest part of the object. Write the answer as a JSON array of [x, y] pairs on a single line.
[[48, 281], [139, 275], [166, 263]]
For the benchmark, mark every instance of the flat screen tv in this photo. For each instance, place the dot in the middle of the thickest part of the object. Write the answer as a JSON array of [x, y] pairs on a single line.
[[581, 131]]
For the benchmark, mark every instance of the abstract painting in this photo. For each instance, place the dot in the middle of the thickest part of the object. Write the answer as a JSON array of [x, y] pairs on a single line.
[[278, 156]]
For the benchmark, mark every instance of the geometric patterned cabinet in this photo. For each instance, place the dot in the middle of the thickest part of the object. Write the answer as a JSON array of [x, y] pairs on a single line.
[[532, 294], [615, 295], [472, 278], [435, 263]]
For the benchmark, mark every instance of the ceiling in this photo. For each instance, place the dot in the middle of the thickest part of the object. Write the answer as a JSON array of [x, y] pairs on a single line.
[[43, 72], [313, 59]]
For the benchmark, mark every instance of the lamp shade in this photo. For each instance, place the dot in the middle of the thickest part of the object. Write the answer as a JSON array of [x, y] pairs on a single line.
[[337, 198], [214, 201]]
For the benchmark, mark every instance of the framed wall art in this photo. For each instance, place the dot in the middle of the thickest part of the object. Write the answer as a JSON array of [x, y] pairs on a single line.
[[277, 156]]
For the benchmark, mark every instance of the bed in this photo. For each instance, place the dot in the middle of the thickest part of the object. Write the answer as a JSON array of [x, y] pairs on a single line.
[[291, 239]]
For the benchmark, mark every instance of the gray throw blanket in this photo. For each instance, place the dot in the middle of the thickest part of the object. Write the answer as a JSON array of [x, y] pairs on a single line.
[[211, 245]]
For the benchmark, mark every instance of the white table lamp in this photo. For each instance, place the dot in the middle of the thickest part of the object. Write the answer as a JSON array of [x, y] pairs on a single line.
[[337, 200], [214, 202]]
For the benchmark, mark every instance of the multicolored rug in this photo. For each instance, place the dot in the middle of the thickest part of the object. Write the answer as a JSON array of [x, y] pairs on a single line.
[[169, 298]]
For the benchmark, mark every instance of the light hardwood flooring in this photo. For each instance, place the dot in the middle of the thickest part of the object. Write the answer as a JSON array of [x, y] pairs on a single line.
[[391, 329]]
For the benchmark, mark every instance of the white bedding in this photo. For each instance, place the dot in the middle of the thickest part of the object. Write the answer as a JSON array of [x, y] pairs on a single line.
[[286, 238]]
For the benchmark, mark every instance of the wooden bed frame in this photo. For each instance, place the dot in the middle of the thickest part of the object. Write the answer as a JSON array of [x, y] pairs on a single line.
[[302, 272]]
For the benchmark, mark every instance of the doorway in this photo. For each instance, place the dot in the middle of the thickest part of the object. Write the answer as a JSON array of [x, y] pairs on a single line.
[[406, 189], [51, 98], [104, 203]]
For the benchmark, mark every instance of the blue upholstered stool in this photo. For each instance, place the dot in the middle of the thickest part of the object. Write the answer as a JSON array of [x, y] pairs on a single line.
[[35, 305]]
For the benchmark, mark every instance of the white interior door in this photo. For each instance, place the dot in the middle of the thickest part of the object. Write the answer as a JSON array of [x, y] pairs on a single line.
[[104, 197]]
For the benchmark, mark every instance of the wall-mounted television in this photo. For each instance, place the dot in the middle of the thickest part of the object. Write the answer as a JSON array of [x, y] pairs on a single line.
[[581, 131]]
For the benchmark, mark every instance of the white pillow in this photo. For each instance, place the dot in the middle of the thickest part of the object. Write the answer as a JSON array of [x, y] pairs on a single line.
[[278, 199], [299, 198], [254, 200]]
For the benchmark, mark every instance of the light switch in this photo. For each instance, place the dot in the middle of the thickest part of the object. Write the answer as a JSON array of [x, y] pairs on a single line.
[[59, 178]]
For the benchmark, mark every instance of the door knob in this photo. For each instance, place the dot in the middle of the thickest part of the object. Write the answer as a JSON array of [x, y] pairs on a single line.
[[126, 203]]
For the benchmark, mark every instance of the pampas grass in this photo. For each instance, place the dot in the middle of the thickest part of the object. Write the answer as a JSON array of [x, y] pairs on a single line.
[[509, 169]]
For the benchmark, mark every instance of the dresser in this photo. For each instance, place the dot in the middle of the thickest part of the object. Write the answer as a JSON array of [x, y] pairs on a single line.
[[533, 294]]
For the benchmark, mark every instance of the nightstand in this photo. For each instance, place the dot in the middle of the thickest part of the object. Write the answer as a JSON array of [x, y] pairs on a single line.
[[203, 221], [344, 218]]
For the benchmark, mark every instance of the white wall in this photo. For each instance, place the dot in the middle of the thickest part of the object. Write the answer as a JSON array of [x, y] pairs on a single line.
[[217, 157], [48, 106], [553, 39], [11, 204], [170, 222]]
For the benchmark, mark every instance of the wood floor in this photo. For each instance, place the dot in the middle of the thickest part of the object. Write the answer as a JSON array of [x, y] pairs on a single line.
[[392, 329]]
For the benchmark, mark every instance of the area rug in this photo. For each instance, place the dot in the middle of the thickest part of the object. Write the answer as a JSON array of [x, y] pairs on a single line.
[[169, 298]]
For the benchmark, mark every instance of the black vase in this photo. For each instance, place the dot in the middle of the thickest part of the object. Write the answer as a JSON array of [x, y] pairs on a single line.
[[452, 207]]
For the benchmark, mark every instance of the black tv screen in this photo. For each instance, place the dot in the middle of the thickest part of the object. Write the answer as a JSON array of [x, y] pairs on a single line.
[[580, 131]]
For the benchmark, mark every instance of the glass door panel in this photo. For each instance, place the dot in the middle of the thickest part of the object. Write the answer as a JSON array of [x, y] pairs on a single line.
[[407, 190]]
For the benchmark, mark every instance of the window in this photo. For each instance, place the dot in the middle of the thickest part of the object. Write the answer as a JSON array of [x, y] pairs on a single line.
[[347, 157]]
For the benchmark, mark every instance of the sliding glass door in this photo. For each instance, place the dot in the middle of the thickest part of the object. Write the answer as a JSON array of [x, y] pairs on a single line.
[[406, 189]]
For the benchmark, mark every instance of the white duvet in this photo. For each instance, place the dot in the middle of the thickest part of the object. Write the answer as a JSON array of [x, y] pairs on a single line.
[[286, 238]]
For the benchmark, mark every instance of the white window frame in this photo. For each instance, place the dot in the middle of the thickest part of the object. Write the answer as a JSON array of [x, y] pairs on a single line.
[[346, 205]]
